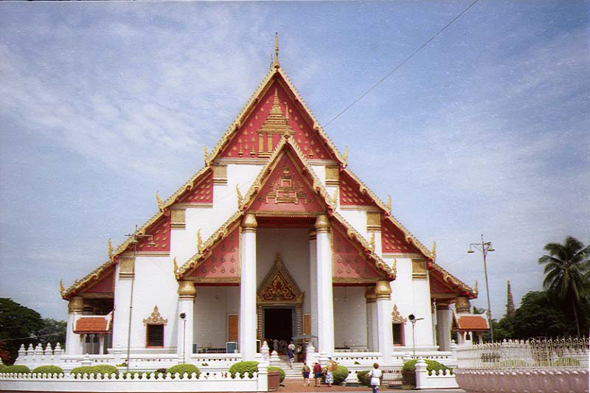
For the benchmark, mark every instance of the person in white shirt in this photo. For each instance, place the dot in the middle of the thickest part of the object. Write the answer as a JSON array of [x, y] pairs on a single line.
[[375, 375]]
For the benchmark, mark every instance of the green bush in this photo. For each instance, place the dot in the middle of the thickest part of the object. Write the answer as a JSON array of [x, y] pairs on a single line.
[[431, 366], [104, 369], [241, 368], [48, 370], [2, 366], [339, 375], [16, 370], [184, 368], [363, 377], [81, 371], [281, 372]]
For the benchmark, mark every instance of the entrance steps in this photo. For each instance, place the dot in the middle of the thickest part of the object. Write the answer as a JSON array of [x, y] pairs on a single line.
[[291, 373]]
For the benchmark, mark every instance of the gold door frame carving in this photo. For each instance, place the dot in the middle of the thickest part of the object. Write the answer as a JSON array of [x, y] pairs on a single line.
[[279, 289]]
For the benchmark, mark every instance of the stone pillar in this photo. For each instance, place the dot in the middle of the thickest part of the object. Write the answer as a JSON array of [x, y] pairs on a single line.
[[125, 276], [443, 326], [325, 298], [385, 330], [247, 320], [101, 344], [186, 302], [313, 281], [372, 333], [73, 340]]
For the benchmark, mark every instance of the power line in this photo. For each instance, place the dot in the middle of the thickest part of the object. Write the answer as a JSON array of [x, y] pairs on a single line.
[[402, 63]]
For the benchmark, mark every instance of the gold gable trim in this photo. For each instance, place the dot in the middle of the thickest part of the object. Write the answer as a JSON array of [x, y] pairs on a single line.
[[278, 286], [396, 317]]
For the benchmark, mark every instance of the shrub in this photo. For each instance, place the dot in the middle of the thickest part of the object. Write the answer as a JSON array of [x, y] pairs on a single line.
[[104, 369], [363, 377], [48, 370], [81, 371], [281, 372], [241, 368], [184, 368], [16, 369], [431, 365], [339, 375]]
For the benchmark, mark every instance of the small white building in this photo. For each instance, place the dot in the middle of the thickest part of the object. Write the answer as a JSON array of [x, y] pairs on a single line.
[[274, 237]]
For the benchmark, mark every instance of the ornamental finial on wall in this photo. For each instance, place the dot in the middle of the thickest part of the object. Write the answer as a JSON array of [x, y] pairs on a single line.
[[174, 265], [373, 241], [389, 204], [206, 156], [199, 242], [62, 289], [345, 158], [160, 204], [110, 250], [475, 287], [240, 198], [335, 198], [433, 251], [277, 50], [155, 318]]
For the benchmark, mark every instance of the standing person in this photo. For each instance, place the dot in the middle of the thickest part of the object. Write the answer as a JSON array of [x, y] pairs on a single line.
[[329, 377], [291, 354], [375, 375], [305, 371], [317, 373]]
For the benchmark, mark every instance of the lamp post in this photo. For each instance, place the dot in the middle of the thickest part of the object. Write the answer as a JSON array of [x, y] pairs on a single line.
[[135, 237], [485, 248], [413, 319], [183, 317]]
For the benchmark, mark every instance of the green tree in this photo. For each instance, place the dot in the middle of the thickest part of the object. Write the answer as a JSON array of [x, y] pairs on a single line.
[[566, 272], [18, 325], [52, 332], [541, 315]]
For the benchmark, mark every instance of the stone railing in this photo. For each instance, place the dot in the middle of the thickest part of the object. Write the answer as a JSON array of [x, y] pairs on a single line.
[[443, 379], [206, 382]]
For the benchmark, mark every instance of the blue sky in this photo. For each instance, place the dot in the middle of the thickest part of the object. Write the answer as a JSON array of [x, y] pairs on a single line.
[[486, 130]]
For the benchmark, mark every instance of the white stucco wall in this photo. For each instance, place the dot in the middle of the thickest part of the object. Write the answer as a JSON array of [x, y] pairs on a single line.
[[213, 305], [350, 317]]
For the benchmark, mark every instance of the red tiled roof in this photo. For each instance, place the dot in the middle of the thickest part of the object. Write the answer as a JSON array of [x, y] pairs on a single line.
[[87, 325], [472, 323]]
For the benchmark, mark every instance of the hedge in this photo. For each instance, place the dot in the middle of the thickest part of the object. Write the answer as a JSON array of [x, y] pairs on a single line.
[[16, 369], [242, 368], [431, 366], [184, 368], [48, 370], [339, 375]]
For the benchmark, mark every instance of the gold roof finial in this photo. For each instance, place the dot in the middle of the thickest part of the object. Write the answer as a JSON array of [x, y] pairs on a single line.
[[277, 65], [394, 266], [475, 287], [62, 289], [373, 241], [206, 155], [160, 204], [110, 250], [174, 265], [433, 251], [199, 242], [335, 198], [389, 204], [345, 158], [272, 61], [240, 198]]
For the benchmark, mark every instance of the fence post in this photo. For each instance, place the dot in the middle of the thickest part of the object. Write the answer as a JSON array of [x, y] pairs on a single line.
[[421, 374], [263, 377]]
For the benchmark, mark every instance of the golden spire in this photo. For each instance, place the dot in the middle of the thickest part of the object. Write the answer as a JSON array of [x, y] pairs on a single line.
[[345, 158], [110, 250], [394, 266], [271, 62], [335, 198], [475, 287], [240, 198], [174, 265], [62, 289], [277, 65], [373, 241], [206, 155], [160, 204], [389, 204], [433, 251], [199, 242]]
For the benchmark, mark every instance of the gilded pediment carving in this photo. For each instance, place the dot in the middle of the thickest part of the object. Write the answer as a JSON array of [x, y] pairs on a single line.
[[279, 286]]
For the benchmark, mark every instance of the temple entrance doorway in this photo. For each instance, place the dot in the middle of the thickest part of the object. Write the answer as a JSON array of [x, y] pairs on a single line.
[[278, 324]]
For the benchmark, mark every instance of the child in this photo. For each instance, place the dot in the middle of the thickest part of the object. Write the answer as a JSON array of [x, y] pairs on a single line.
[[305, 371], [375, 375]]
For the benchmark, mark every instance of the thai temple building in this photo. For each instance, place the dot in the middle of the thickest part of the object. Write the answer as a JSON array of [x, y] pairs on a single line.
[[274, 239]]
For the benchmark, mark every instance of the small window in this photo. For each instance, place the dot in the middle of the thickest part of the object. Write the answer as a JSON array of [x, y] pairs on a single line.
[[398, 334], [155, 335]]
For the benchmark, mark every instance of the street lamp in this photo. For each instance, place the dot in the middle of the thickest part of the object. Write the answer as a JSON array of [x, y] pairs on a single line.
[[413, 319], [485, 248]]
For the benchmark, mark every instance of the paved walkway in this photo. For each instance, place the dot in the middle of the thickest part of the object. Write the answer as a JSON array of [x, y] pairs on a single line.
[[296, 385]]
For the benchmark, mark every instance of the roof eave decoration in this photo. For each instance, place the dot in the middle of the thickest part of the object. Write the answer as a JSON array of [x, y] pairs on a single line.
[[84, 282], [452, 281]]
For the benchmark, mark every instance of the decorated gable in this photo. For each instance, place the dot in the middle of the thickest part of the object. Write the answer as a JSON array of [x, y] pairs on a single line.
[[393, 240], [201, 192], [157, 239], [439, 288], [350, 192], [273, 115], [105, 284], [286, 190], [222, 265], [349, 262], [279, 285]]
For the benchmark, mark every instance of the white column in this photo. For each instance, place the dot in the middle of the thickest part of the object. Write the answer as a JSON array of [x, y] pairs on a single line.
[[247, 320], [125, 275], [443, 326], [101, 344], [385, 330], [324, 284], [313, 281], [73, 340], [372, 333], [186, 301]]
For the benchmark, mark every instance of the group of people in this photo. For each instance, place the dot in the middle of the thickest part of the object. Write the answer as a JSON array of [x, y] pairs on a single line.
[[375, 374]]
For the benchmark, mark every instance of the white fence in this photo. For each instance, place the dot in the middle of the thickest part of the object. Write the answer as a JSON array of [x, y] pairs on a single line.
[[207, 382], [515, 354]]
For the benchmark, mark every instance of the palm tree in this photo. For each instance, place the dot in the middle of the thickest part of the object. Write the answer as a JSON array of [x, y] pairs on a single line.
[[566, 271]]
